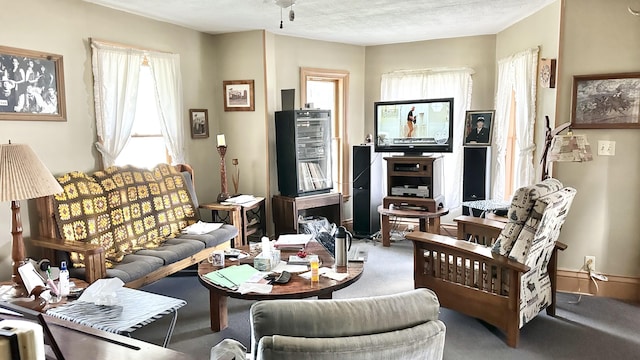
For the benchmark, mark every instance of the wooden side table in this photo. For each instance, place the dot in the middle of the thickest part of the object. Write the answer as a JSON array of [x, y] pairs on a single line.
[[233, 216], [429, 221], [248, 218]]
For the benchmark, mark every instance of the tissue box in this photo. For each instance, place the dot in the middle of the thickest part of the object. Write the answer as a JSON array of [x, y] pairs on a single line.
[[264, 262]]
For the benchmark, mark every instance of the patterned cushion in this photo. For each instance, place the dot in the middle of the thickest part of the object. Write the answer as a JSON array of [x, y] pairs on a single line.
[[124, 209], [521, 205], [535, 250]]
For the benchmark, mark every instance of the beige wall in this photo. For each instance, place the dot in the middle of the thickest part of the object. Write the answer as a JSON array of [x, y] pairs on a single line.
[[239, 56], [600, 37], [67, 146]]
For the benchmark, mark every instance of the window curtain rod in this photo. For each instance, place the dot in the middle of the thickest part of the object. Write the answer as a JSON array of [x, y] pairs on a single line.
[[432, 71], [104, 43]]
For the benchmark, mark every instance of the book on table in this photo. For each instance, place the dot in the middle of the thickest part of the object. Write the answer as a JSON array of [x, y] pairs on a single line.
[[231, 277], [292, 241]]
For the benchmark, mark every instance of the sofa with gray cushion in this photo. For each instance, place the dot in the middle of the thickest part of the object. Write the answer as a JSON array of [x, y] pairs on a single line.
[[398, 326], [127, 223]]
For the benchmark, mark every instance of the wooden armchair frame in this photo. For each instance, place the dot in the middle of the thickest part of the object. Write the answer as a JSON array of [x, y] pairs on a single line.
[[470, 278]]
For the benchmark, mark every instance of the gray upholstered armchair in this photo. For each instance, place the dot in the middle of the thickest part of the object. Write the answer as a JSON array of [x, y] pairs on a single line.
[[509, 275], [399, 326]]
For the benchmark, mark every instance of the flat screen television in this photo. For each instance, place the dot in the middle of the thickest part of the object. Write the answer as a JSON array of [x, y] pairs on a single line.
[[431, 122]]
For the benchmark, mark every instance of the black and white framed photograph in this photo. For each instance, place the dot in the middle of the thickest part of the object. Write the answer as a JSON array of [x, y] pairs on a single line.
[[607, 101], [32, 85], [478, 130], [199, 123], [238, 95]]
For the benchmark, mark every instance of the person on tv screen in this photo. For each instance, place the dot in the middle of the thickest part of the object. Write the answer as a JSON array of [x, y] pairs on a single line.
[[480, 134], [411, 119]]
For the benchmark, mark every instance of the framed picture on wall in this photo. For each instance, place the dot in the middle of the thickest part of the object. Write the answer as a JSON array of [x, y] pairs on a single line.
[[608, 101], [478, 129], [238, 95], [199, 123], [32, 85]]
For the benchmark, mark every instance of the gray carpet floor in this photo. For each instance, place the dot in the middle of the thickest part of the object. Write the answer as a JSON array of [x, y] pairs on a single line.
[[593, 328]]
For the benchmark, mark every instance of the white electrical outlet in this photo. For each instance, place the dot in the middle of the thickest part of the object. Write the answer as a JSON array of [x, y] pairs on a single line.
[[590, 263]]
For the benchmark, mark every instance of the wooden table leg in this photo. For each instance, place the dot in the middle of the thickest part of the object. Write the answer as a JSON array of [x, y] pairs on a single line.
[[236, 220], [386, 231], [434, 225], [218, 311]]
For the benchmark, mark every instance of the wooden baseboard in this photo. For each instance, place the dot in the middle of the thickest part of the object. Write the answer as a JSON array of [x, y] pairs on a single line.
[[617, 287]]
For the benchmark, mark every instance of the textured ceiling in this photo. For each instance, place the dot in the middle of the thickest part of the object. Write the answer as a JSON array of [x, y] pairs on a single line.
[[359, 22]]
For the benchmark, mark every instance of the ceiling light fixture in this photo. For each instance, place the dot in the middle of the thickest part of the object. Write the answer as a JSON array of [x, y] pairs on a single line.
[[286, 4]]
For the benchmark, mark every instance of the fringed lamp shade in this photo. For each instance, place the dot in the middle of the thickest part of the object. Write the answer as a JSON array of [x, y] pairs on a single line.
[[22, 176], [570, 147]]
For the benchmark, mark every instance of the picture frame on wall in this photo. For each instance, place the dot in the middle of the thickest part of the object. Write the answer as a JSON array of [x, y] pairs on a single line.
[[478, 128], [32, 85], [606, 101], [199, 120], [238, 95]]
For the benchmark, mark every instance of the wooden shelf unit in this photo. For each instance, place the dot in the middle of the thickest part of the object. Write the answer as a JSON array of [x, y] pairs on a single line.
[[411, 172], [286, 210]]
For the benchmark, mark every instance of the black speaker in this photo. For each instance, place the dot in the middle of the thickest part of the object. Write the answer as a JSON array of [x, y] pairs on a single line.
[[367, 190], [476, 176]]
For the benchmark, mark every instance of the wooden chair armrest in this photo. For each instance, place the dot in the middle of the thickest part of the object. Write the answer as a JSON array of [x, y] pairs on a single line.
[[466, 249], [66, 245], [94, 255], [487, 223], [560, 246], [481, 231]]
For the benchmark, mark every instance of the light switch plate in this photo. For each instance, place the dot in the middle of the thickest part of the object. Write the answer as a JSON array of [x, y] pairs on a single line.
[[606, 147]]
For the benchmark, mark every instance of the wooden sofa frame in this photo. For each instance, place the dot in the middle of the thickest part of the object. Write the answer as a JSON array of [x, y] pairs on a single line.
[[469, 295], [94, 255]]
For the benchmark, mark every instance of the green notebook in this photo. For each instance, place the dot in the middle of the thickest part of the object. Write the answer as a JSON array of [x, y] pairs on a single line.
[[231, 277]]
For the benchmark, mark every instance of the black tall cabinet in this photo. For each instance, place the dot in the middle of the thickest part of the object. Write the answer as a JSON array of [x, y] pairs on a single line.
[[303, 152]]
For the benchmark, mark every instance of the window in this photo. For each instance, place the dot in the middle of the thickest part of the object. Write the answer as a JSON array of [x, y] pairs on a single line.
[[328, 89], [145, 147], [138, 101]]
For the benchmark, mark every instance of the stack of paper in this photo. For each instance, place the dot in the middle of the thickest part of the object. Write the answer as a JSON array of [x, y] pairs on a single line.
[[201, 227], [233, 276], [292, 241], [240, 199]]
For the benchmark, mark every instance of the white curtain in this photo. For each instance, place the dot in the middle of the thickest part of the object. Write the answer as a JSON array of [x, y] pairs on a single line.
[[116, 72], [517, 76], [436, 83], [168, 84]]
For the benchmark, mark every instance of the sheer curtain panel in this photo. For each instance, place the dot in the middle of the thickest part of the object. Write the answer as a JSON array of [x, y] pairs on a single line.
[[116, 72], [516, 77]]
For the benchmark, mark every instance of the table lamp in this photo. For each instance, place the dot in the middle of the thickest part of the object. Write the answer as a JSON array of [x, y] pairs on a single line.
[[22, 176], [570, 147]]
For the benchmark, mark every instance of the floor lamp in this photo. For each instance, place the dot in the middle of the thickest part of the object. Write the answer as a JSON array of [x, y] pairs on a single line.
[[569, 148], [22, 176]]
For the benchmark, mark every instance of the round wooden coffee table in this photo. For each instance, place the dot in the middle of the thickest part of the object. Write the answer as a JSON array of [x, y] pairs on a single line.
[[296, 288]]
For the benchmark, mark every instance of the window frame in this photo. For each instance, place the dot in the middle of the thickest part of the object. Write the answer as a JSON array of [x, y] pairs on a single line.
[[339, 122]]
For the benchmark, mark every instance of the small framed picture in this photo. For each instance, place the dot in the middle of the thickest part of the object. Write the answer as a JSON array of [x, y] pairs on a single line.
[[238, 95], [199, 123], [478, 129]]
